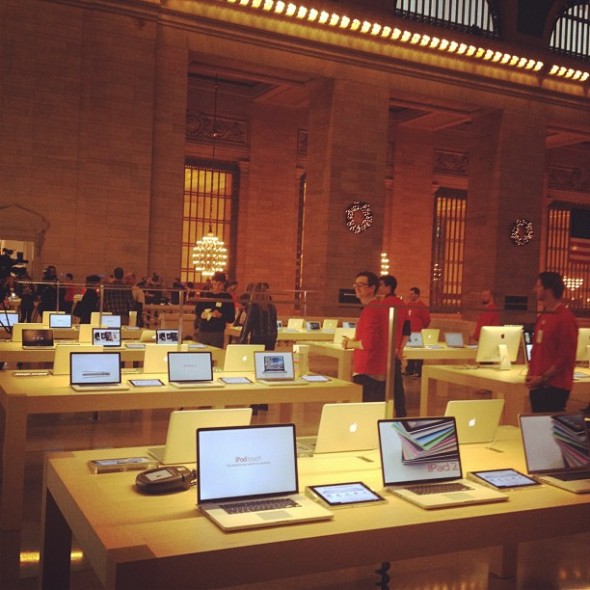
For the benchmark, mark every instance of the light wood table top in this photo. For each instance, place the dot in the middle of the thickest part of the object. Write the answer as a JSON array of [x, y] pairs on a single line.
[[284, 335], [440, 352], [345, 357], [13, 352], [50, 394], [134, 540], [506, 384]]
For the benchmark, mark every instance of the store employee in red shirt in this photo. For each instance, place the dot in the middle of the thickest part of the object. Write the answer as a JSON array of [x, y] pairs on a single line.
[[370, 341], [553, 358]]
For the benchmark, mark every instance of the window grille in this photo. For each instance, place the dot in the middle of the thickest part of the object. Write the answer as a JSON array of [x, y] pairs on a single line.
[[576, 275], [448, 247], [477, 17], [571, 32], [210, 200]]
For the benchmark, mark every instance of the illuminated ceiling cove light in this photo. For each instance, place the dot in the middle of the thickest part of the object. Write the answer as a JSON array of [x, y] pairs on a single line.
[[301, 12]]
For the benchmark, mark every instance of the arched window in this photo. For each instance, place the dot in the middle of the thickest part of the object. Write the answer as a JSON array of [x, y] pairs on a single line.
[[210, 204], [477, 17], [571, 32]]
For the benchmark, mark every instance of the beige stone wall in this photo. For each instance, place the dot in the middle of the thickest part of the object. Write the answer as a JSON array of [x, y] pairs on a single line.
[[77, 131], [92, 140]]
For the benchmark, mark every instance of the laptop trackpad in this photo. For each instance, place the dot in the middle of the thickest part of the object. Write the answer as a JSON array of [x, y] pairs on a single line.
[[459, 496], [275, 514]]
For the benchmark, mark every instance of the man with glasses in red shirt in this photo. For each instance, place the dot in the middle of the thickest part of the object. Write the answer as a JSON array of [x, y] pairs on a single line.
[[370, 343]]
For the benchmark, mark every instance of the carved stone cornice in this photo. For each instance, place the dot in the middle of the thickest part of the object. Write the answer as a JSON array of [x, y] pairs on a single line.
[[569, 179], [200, 128], [452, 163]]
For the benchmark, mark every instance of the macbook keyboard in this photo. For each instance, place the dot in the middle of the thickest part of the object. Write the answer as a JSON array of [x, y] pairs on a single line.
[[439, 488], [258, 505]]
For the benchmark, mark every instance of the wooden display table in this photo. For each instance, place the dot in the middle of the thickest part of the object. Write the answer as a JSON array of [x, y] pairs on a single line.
[[21, 397], [508, 385], [138, 541]]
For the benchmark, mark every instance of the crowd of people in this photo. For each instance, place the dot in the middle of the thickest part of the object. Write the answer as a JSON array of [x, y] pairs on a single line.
[[218, 304]]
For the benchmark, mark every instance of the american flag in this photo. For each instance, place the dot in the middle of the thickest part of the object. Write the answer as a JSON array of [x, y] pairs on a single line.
[[579, 250]]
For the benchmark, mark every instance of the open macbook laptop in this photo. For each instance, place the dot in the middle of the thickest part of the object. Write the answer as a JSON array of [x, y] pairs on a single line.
[[191, 370], [60, 320], [329, 324], [295, 324], [248, 478], [8, 318], [166, 336], [345, 427], [61, 360], [340, 333], [454, 340], [430, 336], [313, 326], [96, 371], [557, 450], [275, 368], [110, 321], [476, 420], [240, 357], [415, 340], [20, 327], [421, 463], [147, 336], [106, 336], [39, 338], [155, 357], [183, 425], [96, 317]]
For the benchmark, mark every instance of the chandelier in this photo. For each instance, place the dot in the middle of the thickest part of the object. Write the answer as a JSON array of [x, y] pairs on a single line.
[[210, 253]]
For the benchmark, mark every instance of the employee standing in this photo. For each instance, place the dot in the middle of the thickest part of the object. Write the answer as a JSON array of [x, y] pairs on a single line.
[[551, 370], [370, 340], [213, 311]]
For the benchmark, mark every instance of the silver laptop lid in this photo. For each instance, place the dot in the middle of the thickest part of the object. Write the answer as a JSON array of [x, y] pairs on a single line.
[[106, 336], [555, 442], [416, 340], [454, 339], [60, 320], [583, 345], [237, 463], [8, 318], [95, 368], [190, 367], [273, 365], [40, 337], [166, 336], [476, 420], [419, 450]]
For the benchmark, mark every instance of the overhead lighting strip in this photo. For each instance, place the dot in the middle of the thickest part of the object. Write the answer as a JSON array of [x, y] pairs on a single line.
[[342, 22]]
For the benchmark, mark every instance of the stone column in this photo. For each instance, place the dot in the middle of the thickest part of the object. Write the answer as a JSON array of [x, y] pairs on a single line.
[[506, 182], [348, 125], [169, 140]]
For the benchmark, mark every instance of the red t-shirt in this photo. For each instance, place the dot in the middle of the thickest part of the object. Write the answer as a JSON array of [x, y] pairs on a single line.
[[419, 315], [554, 344], [371, 330], [489, 317]]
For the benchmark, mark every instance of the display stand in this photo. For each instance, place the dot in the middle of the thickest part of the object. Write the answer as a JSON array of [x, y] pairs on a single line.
[[504, 358]]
